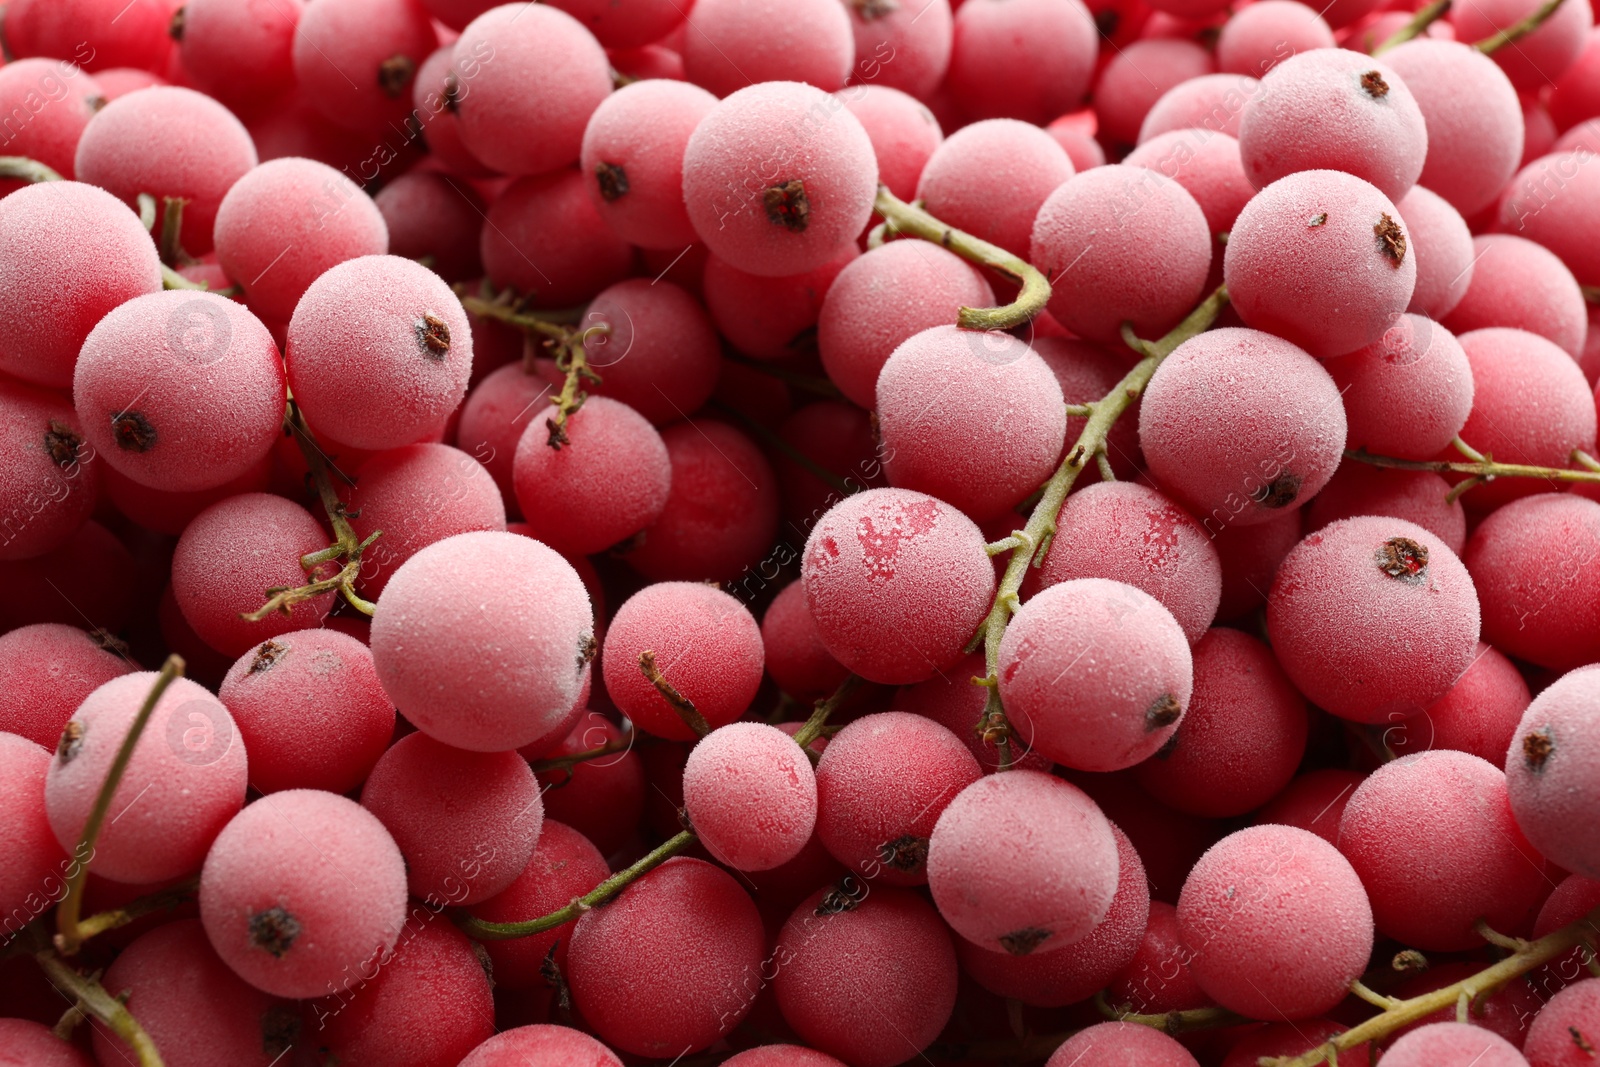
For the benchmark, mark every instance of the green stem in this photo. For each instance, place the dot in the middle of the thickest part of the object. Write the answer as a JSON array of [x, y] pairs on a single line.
[[562, 763], [1424, 18], [92, 999], [171, 246], [164, 900], [901, 217], [71, 933], [21, 168], [824, 708], [1482, 470], [1518, 30], [1170, 1022]]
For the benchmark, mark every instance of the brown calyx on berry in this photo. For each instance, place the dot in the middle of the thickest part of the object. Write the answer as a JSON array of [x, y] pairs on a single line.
[[1373, 85], [274, 930], [1403, 558], [550, 971], [1391, 239], [71, 742], [612, 179], [176, 26], [588, 648], [1024, 941], [280, 1029], [433, 336], [452, 93], [908, 852], [1536, 748], [846, 896], [110, 642], [133, 432], [788, 206], [1585, 1046], [1162, 712], [1280, 492], [268, 653], [874, 9], [61, 444], [394, 74]]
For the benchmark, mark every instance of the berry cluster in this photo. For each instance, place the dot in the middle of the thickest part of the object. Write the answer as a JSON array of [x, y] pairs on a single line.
[[799, 533]]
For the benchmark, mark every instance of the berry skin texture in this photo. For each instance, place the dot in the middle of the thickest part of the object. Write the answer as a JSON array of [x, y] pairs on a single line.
[[557, 1046], [782, 1056], [47, 670], [1480, 712], [1552, 201], [1158, 979], [1207, 166], [1210, 103], [1550, 771], [31, 1044], [1030, 60], [1121, 1045], [34, 866], [1077, 971], [167, 142], [1313, 801], [632, 159], [903, 131], [867, 975], [952, 701], [231, 554], [180, 391], [379, 352], [1331, 109], [751, 795], [1241, 426], [770, 318], [1121, 244], [429, 215], [1407, 394], [466, 822], [1443, 247], [1532, 562], [1359, 489], [49, 482], [945, 389], [768, 189], [662, 356], [51, 137], [240, 50], [602, 799], [69, 254], [310, 711], [991, 178], [775, 41], [354, 61], [1022, 862], [482, 681], [1520, 284], [1250, 557], [1567, 1030], [897, 582], [183, 784], [1542, 56], [705, 644], [1453, 1045], [1098, 670], [1373, 618], [288, 221], [1136, 79], [795, 655], [303, 893], [1321, 259], [684, 941], [1131, 533], [882, 784], [901, 49], [1242, 737], [608, 482], [1254, 39], [1243, 910], [1434, 840]]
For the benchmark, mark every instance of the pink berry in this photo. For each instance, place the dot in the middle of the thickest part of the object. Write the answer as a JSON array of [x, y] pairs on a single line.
[[180, 391], [356, 59], [1564, 1033], [285, 223], [1519, 284], [49, 480], [302, 892], [1450, 1044], [557, 1046], [1242, 737], [1158, 978], [1121, 1045], [1082, 148], [185, 781], [633, 159], [52, 132], [1291, 1039], [1030, 60], [1540, 602], [1320, 259], [1250, 557], [1208, 104], [959, 181], [1137, 77], [903, 132], [496, 412], [662, 356], [954, 702], [897, 582], [795, 656], [1540, 57], [1443, 248], [310, 711], [474, 679], [1245, 910], [1256, 38], [837, 437], [238, 52], [97, 33], [1549, 772], [35, 865], [628, 23], [867, 974], [72, 253], [1553, 201], [1241, 426], [601, 799], [779, 175], [1022, 862], [89, 578], [434, 217], [1416, 496], [1331, 109], [685, 942], [228, 558], [902, 48], [722, 513], [732, 44], [1122, 244], [751, 795], [31, 1044], [564, 865], [1313, 801], [771, 318], [545, 239], [46, 671], [1478, 714], [1407, 394], [782, 1056], [1433, 838], [1088, 372], [1207, 165], [1131, 533], [1099, 670], [436, 94], [1572, 900]]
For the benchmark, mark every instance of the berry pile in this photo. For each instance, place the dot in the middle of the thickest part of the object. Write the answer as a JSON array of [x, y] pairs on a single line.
[[799, 533]]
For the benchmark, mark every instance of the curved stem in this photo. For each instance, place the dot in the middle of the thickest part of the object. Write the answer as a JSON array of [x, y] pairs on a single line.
[[147, 211], [487, 931], [1424, 18], [1518, 30], [1479, 471], [92, 999], [71, 933], [901, 217], [504, 308], [824, 708], [571, 360], [681, 704], [1171, 1022], [21, 168], [164, 900], [1533, 955], [564, 763]]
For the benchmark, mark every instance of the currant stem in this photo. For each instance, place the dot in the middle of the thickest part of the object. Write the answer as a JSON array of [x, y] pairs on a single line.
[[562, 763], [21, 168], [1424, 18], [1170, 1022], [824, 708], [486, 931], [71, 933], [1518, 30], [1479, 470], [170, 247], [1532, 955], [164, 900], [571, 360], [503, 307], [92, 999], [681, 704], [901, 217]]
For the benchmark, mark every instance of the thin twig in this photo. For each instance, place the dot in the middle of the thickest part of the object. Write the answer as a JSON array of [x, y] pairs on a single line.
[[163, 900], [21, 168], [170, 247], [1170, 1022], [820, 712], [92, 999], [1518, 30], [562, 763], [1424, 18], [681, 704], [1478, 471]]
